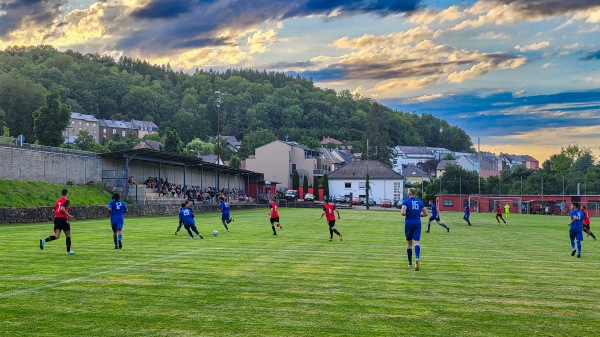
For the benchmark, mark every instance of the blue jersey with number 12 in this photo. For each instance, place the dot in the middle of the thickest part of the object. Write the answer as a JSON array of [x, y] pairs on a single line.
[[413, 211]]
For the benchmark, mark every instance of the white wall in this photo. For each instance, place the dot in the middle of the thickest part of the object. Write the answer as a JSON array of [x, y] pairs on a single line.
[[380, 189]]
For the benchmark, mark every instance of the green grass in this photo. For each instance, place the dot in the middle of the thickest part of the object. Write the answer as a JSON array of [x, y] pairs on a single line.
[[485, 280], [32, 194]]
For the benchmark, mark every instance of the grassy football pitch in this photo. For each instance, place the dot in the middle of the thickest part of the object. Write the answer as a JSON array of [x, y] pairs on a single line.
[[486, 280]]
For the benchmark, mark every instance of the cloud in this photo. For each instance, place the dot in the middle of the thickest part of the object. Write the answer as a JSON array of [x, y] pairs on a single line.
[[594, 55], [534, 46], [492, 36], [17, 13]]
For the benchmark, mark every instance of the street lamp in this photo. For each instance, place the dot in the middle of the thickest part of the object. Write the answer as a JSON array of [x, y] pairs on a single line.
[[218, 93]]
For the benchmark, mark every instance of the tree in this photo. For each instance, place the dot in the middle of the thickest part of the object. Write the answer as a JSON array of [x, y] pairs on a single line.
[[295, 180], [84, 141], [50, 121], [172, 142], [316, 187], [449, 156], [2, 119], [6, 131], [310, 142], [19, 98], [235, 162], [199, 148], [377, 136], [326, 186], [305, 186], [254, 140]]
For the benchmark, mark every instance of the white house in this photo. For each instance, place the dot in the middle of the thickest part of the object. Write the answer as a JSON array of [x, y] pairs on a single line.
[[410, 155], [385, 183]]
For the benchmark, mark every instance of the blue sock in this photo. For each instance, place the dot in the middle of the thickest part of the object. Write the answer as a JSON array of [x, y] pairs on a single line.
[[579, 247], [409, 254], [417, 251], [572, 244], [120, 237]]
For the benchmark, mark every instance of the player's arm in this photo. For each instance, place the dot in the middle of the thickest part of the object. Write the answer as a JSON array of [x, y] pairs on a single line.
[[403, 210], [63, 209], [338, 213], [424, 212], [573, 219]]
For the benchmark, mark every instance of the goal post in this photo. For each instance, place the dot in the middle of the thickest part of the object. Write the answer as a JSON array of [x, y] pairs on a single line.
[[487, 203]]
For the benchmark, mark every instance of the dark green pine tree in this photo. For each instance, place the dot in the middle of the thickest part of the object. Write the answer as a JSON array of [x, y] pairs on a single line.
[[326, 187], [305, 186], [316, 187], [295, 181]]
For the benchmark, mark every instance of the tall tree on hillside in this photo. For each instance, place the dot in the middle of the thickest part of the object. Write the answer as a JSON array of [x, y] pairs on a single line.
[[19, 98], [50, 121], [198, 147], [2, 118], [326, 186], [316, 187], [84, 141], [172, 141], [253, 140], [378, 137]]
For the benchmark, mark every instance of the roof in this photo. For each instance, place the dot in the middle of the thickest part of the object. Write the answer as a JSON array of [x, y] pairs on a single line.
[[413, 171], [232, 141], [414, 150], [358, 170], [442, 164], [176, 159], [117, 124], [88, 118], [328, 155], [148, 144], [144, 125], [329, 140]]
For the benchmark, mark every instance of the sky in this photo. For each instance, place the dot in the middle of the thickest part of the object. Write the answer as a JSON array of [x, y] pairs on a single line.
[[520, 77]]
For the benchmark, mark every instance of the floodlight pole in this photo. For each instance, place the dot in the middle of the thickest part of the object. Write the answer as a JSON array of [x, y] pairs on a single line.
[[218, 93]]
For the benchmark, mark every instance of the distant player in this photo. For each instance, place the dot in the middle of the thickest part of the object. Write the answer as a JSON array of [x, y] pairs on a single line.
[[225, 216], [576, 228], [274, 215], [586, 223], [116, 209], [467, 213], [61, 221], [507, 210], [435, 216], [413, 209], [328, 210], [186, 215], [499, 214]]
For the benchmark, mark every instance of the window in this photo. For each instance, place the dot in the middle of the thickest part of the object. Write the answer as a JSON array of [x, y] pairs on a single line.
[[347, 185], [398, 190], [123, 133], [87, 124], [114, 131], [103, 130], [80, 123], [94, 130], [448, 202], [72, 122], [362, 184]]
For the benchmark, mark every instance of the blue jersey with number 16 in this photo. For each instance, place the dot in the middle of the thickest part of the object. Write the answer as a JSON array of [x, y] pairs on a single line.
[[413, 211]]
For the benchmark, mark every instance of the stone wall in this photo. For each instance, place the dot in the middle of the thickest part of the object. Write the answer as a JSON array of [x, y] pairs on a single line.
[[44, 214], [47, 164]]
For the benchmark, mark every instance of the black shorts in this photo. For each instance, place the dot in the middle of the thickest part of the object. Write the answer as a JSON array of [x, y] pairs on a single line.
[[586, 228], [62, 224], [274, 220], [331, 223]]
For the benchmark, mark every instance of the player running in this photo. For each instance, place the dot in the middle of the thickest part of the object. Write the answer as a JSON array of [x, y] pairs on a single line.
[[413, 209], [435, 216], [575, 228], [586, 223], [116, 209], [499, 214], [61, 221], [186, 215], [467, 213], [328, 210], [274, 215], [225, 216]]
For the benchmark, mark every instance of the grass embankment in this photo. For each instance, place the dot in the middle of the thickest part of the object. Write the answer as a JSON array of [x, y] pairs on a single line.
[[34, 194]]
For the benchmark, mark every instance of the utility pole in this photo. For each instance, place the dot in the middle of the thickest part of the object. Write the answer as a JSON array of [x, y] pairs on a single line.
[[218, 93]]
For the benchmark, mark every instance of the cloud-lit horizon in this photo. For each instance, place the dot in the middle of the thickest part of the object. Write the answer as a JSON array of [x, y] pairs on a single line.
[[522, 76]]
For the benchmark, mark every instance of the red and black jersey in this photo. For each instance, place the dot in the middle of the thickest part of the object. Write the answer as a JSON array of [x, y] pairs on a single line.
[[274, 208], [498, 209], [62, 202], [329, 208], [586, 217]]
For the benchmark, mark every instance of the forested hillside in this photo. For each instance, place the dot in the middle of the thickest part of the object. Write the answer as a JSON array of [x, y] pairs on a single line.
[[252, 100]]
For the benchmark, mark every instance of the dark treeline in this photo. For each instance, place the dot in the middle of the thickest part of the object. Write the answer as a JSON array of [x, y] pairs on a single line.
[[252, 100]]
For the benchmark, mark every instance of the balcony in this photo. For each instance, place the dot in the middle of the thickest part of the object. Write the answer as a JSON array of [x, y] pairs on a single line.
[[319, 172]]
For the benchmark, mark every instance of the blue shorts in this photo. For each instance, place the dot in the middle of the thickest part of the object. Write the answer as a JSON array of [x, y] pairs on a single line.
[[117, 226], [436, 218], [466, 216], [576, 235], [412, 232], [225, 217]]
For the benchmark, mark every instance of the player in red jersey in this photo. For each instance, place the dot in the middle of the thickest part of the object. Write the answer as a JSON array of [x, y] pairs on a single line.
[[330, 216], [61, 222], [586, 222], [499, 214], [274, 215]]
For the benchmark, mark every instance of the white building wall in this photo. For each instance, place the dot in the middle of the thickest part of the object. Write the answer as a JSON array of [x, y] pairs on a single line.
[[380, 189]]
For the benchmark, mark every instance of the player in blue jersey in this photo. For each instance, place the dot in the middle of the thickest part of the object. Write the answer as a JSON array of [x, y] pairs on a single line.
[[576, 228], [435, 215], [467, 213], [225, 216], [116, 210], [413, 209], [186, 215]]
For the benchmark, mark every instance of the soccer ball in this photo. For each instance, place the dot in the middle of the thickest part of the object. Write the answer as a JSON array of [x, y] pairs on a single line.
[[215, 232]]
